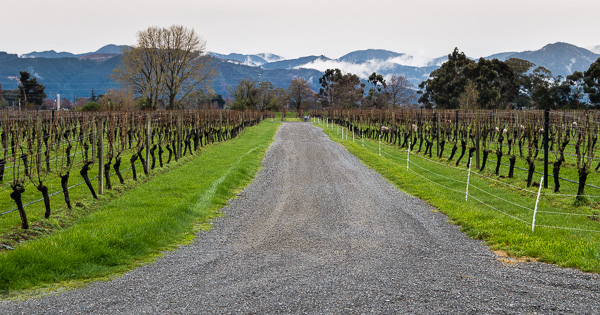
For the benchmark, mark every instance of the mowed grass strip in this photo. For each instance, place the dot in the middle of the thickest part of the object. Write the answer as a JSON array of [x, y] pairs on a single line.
[[501, 227], [137, 226]]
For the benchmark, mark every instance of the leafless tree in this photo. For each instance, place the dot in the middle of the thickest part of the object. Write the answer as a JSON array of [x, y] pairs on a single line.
[[399, 91], [166, 64]]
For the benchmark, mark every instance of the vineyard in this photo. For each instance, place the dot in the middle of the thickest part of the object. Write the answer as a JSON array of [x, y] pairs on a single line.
[[56, 159], [510, 157]]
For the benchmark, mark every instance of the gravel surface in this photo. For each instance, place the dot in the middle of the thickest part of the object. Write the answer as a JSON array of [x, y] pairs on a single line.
[[318, 232]]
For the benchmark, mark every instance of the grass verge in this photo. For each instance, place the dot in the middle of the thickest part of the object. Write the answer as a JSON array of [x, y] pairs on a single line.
[[140, 224], [567, 234]]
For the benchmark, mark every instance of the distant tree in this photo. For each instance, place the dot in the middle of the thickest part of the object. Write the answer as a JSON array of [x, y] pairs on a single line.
[[265, 93], [65, 103], [166, 63], [349, 91], [278, 100], [245, 95], [540, 90], [31, 92], [206, 99], [91, 107], [591, 78], [520, 68], [469, 98], [93, 96], [575, 83], [447, 83], [299, 94], [328, 83], [118, 99], [376, 96], [399, 91]]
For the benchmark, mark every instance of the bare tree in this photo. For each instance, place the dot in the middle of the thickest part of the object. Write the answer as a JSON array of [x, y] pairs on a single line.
[[299, 94], [165, 64], [399, 91]]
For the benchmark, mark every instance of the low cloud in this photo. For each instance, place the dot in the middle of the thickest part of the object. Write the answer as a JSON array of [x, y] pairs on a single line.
[[365, 69]]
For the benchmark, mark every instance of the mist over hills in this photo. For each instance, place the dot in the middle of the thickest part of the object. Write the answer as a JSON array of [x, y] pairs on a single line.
[[76, 74]]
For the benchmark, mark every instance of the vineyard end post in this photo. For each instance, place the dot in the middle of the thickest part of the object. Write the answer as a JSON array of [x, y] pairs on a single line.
[[100, 144], [546, 140], [477, 138], [148, 139]]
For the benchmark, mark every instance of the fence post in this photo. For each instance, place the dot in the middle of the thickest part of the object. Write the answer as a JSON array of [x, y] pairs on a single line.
[[408, 156], [100, 144], [437, 129], [468, 179], [379, 144], [546, 127], [92, 126], [179, 135], [477, 138], [536, 205], [362, 138], [148, 142]]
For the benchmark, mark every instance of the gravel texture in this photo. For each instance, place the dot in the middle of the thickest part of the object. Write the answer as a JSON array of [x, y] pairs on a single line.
[[318, 232]]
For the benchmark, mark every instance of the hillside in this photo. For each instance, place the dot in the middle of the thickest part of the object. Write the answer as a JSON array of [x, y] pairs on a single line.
[[76, 74]]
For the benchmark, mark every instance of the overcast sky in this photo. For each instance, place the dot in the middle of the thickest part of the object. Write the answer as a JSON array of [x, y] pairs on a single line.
[[429, 28]]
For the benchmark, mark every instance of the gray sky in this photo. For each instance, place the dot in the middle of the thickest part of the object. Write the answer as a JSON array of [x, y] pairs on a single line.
[[429, 28]]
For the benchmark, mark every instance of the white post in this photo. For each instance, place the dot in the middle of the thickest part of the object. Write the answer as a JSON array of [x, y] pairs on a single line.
[[408, 156], [468, 179], [327, 121], [362, 137], [342, 133], [536, 205], [379, 145], [57, 101], [352, 134]]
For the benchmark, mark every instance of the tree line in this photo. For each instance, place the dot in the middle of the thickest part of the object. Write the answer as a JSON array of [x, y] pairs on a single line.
[[515, 83]]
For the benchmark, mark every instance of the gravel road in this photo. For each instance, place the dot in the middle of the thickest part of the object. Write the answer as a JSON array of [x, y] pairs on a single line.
[[318, 232]]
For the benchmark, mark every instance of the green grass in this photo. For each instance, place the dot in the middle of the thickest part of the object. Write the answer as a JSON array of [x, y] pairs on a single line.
[[505, 226], [150, 218], [289, 116]]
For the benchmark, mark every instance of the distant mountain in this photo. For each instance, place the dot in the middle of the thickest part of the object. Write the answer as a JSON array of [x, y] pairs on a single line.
[[70, 74], [248, 60], [229, 74], [293, 63], [560, 58], [502, 56], [110, 49], [48, 54], [268, 57], [361, 56]]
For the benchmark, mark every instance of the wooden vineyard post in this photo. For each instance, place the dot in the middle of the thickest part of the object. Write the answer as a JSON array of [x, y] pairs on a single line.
[[148, 138], [437, 129], [179, 130], [100, 144], [92, 126], [477, 138], [546, 127]]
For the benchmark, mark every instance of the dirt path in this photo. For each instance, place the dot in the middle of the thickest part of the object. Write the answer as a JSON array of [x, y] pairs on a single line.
[[318, 232]]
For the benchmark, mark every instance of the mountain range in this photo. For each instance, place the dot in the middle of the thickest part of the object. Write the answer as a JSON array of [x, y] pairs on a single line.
[[74, 75]]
